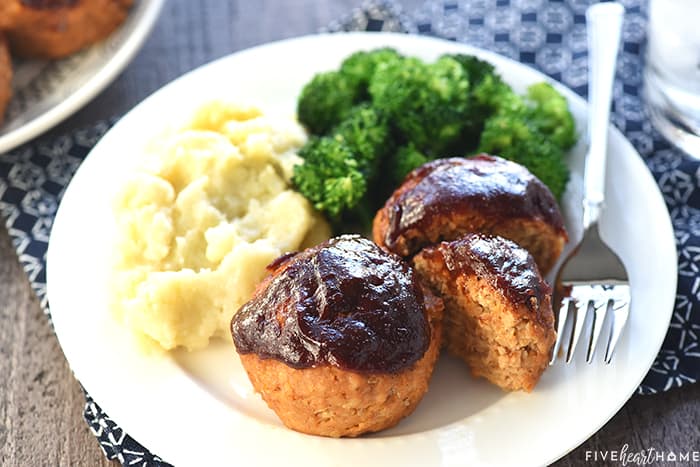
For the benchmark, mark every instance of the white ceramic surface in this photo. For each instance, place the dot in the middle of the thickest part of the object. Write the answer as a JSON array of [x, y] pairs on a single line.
[[47, 92], [199, 408]]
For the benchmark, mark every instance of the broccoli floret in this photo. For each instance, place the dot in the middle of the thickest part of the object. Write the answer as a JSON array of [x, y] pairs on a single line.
[[329, 177], [489, 93], [487, 87], [512, 139], [512, 133], [534, 131], [405, 159], [359, 67], [427, 103], [550, 115], [325, 101], [476, 69], [380, 101], [546, 161], [366, 132]]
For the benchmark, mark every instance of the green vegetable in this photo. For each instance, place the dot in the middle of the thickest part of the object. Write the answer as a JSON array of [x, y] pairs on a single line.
[[486, 86], [534, 131], [366, 132], [476, 68], [330, 177], [338, 169], [381, 115], [405, 159], [487, 93], [325, 101], [490, 94], [551, 115], [427, 103], [546, 162], [359, 67]]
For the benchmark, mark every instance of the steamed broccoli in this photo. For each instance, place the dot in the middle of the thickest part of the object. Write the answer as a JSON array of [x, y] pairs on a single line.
[[534, 131], [329, 177], [476, 68], [427, 103], [381, 115], [546, 161], [405, 159], [551, 115], [338, 169], [511, 138], [325, 101], [487, 93], [359, 67], [366, 132], [486, 86]]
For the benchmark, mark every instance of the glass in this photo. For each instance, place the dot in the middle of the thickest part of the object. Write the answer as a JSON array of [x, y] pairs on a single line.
[[672, 74]]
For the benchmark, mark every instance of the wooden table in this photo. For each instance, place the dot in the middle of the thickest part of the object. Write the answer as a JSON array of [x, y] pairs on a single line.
[[41, 404]]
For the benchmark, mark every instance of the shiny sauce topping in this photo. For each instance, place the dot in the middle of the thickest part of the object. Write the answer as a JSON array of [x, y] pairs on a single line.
[[48, 4], [345, 302], [497, 188], [500, 262]]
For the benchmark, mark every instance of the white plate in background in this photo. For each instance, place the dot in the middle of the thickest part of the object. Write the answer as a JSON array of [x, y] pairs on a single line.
[[47, 92], [199, 408]]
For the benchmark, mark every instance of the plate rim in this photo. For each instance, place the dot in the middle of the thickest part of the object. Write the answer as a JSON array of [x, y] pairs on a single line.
[[109, 71], [570, 94]]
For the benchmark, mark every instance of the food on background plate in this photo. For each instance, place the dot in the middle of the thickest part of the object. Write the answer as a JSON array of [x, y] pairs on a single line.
[[52, 29], [201, 217], [381, 115], [340, 339], [57, 28], [446, 198], [498, 311], [5, 76]]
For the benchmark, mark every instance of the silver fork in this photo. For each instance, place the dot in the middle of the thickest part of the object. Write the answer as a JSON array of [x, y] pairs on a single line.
[[592, 273]]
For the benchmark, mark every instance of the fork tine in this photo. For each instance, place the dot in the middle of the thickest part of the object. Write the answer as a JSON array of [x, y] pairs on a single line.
[[620, 309], [580, 312], [561, 324], [600, 309]]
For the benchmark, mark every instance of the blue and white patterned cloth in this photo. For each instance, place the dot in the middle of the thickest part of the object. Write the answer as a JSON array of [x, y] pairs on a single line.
[[549, 35]]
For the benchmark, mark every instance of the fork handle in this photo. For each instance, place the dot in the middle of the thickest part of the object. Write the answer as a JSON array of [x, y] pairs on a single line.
[[604, 23]]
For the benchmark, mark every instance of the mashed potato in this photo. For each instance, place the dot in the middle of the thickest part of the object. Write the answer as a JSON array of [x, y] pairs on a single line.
[[201, 218]]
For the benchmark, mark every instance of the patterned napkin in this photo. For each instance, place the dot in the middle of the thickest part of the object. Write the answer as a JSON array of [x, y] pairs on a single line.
[[549, 35]]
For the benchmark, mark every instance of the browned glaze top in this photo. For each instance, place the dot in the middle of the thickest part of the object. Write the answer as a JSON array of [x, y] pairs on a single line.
[[48, 4], [345, 302], [497, 188], [501, 263]]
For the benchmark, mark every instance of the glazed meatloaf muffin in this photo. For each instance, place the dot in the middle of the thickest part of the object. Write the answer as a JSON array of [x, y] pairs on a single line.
[[340, 339], [57, 28], [498, 312], [446, 198], [5, 76]]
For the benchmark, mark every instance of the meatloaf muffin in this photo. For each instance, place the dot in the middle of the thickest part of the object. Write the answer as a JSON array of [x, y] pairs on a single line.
[[57, 28], [498, 312], [340, 339], [446, 198], [5, 76]]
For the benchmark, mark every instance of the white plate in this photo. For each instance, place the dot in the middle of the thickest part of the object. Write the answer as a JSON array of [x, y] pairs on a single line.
[[199, 408], [47, 92]]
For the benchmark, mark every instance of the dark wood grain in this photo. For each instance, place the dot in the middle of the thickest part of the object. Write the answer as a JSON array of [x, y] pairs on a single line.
[[40, 402]]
